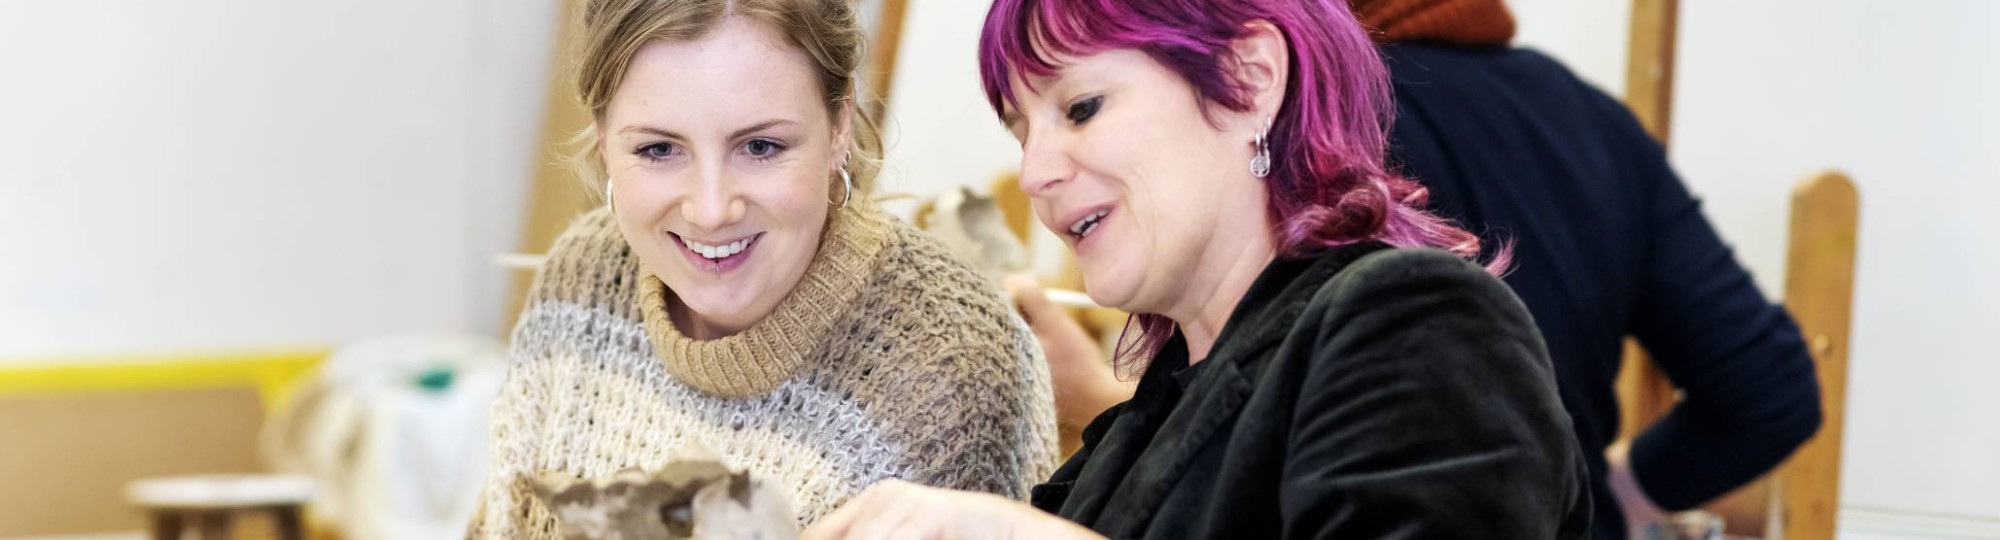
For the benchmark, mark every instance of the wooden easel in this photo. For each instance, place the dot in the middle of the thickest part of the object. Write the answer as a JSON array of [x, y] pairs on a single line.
[[1801, 500]]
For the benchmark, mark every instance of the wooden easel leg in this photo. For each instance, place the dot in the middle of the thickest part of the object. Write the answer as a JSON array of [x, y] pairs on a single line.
[[167, 524], [213, 525], [290, 525]]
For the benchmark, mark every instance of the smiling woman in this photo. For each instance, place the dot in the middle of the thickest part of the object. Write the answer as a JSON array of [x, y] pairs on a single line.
[[740, 293], [718, 152], [1320, 357]]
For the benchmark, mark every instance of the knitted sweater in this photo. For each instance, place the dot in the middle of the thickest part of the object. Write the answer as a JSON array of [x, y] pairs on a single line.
[[891, 358]]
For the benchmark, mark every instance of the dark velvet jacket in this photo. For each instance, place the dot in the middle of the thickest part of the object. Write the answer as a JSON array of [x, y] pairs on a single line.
[[1368, 393]]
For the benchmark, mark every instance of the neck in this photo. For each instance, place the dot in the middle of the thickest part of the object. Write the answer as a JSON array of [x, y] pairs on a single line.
[[693, 325], [1231, 267]]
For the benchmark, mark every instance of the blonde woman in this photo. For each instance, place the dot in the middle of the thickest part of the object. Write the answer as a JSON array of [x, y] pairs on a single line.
[[740, 294]]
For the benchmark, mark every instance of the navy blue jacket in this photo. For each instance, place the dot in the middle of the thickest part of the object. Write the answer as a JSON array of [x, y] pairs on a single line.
[[1607, 243]]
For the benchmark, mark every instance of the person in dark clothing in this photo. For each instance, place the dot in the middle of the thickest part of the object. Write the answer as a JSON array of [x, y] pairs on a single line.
[[1321, 359], [1608, 243]]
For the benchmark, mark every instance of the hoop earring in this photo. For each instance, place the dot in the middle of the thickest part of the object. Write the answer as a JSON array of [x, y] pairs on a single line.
[[847, 181], [1260, 164]]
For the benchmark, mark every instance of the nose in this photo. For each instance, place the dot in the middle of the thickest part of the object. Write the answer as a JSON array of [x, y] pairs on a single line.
[[714, 203], [1045, 164]]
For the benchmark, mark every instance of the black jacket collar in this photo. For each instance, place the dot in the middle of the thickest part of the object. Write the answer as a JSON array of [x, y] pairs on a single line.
[[1153, 436], [1265, 314]]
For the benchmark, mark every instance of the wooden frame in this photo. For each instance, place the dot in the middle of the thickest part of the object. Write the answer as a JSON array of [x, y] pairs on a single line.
[[1819, 288], [1799, 501], [1649, 67], [884, 45]]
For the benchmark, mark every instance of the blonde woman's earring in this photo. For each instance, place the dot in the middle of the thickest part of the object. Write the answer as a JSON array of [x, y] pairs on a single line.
[[847, 181], [607, 196]]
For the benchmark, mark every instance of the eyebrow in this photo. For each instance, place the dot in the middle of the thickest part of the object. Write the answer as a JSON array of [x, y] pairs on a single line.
[[650, 130]]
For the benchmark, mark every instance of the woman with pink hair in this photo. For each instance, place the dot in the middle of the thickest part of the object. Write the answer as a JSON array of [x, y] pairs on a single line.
[[1320, 357]]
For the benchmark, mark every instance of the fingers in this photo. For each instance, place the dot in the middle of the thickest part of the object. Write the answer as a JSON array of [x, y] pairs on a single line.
[[1032, 301], [896, 510], [1059, 332], [834, 526], [887, 514], [873, 514]]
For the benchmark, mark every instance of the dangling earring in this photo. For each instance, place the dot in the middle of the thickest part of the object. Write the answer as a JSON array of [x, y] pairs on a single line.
[[1260, 164], [607, 196], [847, 181]]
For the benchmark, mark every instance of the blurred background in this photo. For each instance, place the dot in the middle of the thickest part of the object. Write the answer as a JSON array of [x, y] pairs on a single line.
[[208, 205]]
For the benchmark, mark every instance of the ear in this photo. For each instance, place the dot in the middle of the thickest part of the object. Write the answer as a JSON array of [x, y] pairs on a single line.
[[1263, 63], [843, 132], [599, 140], [599, 151]]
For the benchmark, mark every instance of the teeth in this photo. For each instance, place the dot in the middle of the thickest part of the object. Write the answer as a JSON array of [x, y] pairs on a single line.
[[717, 252], [1087, 224]]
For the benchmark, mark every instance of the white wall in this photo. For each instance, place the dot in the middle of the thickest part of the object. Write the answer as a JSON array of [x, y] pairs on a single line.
[[941, 132], [1900, 95], [1588, 35], [215, 174]]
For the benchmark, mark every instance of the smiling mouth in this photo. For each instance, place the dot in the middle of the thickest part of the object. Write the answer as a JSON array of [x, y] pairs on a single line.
[[1088, 224], [717, 257]]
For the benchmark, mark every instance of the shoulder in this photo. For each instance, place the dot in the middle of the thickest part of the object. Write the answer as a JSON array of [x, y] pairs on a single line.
[[589, 263], [915, 253], [928, 310], [1417, 286], [1422, 64], [1425, 317], [1398, 267], [1424, 362], [1435, 76], [964, 369], [924, 281]]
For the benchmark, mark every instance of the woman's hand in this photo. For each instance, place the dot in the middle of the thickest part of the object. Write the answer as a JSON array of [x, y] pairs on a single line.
[[1085, 385], [898, 509], [1639, 510]]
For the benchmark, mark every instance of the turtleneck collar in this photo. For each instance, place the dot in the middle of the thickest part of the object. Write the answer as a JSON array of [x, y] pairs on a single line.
[[772, 351]]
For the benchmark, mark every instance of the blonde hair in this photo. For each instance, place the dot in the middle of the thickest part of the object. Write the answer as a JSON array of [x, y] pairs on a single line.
[[827, 30]]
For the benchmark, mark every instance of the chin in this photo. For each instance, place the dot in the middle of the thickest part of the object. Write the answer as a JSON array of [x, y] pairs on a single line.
[[707, 299], [1109, 289], [712, 306]]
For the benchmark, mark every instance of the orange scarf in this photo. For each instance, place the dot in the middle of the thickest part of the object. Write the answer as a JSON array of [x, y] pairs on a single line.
[[1451, 22]]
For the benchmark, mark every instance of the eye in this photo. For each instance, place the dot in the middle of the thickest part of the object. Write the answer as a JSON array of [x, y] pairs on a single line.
[[657, 152], [763, 148], [1082, 110]]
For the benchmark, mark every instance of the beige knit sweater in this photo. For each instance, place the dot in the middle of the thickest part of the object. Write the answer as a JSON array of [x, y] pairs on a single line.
[[892, 358]]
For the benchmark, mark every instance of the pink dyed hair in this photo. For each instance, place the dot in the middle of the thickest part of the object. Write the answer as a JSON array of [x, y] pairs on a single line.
[[1328, 185]]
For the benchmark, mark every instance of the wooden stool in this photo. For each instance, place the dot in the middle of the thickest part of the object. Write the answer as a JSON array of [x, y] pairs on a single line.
[[213, 504]]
